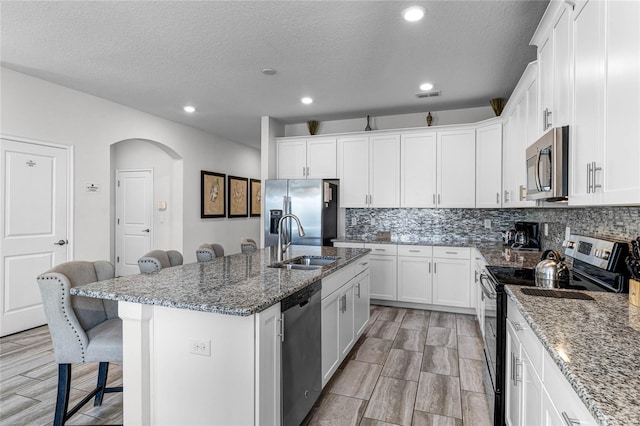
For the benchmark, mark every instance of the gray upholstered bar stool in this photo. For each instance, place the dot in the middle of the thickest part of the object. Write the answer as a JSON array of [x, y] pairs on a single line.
[[82, 329], [155, 260], [248, 245], [207, 252]]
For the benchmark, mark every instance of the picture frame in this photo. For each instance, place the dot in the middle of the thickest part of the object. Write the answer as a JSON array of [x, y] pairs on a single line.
[[237, 196], [255, 200], [212, 195]]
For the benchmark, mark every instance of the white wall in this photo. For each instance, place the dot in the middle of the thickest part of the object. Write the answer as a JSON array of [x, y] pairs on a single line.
[[401, 121], [36, 109]]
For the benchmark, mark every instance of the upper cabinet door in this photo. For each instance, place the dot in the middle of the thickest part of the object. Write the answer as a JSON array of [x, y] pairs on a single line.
[[321, 158], [418, 170], [562, 69], [353, 171], [292, 159], [620, 176], [456, 168], [489, 166], [384, 171]]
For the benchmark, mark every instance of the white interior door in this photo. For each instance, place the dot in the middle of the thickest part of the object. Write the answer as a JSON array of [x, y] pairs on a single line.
[[34, 225], [134, 213]]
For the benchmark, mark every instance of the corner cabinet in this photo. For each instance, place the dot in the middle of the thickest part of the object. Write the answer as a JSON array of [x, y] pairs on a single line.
[[307, 158], [369, 171], [605, 129], [489, 166]]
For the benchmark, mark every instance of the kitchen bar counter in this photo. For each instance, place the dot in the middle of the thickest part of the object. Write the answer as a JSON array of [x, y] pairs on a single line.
[[239, 284], [596, 345]]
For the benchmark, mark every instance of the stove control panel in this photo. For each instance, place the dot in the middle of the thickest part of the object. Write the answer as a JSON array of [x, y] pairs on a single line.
[[593, 251]]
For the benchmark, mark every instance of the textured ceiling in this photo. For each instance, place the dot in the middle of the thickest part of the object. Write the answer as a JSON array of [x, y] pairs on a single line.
[[355, 58]]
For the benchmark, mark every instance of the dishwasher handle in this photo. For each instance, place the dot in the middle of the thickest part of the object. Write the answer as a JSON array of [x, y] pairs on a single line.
[[488, 287]]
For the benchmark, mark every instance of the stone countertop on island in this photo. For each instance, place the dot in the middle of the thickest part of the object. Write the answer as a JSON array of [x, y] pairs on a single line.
[[239, 284], [596, 345]]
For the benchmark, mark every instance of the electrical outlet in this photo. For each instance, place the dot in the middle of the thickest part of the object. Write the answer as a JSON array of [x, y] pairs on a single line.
[[354, 221], [487, 223], [373, 221], [546, 229], [200, 347]]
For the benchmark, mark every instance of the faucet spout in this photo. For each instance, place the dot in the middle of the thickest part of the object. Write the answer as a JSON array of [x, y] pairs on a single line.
[[282, 245]]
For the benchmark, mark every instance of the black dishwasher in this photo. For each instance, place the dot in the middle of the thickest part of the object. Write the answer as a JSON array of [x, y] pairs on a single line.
[[301, 353]]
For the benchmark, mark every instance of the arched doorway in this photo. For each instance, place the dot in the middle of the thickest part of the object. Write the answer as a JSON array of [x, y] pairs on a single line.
[[133, 160]]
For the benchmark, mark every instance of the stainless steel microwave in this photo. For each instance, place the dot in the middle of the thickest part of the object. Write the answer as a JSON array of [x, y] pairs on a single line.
[[548, 166]]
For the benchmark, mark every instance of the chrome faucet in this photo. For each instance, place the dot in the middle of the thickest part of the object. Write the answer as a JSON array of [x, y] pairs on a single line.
[[282, 246]]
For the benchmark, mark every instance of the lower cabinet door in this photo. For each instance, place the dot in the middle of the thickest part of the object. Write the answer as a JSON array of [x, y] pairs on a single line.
[[531, 392], [383, 277], [414, 279], [330, 335], [361, 303], [512, 408], [268, 363], [550, 416], [346, 319], [451, 282]]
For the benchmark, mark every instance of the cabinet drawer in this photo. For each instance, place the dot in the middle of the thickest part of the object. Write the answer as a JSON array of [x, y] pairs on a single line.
[[336, 280], [362, 264], [415, 251], [382, 249], [452, 252], [563, 396], [528, 338]]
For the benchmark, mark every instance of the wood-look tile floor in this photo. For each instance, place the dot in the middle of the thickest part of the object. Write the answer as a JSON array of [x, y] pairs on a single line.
[[29, 379], [411, 367]]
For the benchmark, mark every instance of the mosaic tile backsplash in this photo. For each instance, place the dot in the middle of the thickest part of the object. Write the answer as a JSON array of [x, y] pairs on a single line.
[[459, 225]]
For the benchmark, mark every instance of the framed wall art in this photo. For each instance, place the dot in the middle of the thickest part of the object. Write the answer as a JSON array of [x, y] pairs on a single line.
[[237, 196], [255, 203], [212, 195]]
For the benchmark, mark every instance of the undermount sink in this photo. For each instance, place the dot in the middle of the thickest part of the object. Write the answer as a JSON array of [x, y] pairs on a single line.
[[306, 262]]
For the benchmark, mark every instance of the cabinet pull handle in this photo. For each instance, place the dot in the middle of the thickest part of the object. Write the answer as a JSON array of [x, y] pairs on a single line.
[[364, 263], [414, 251], [517, 326], [435, 268], [475, 280], [518, 376], [307, 171], [497, 198], [429, 267], [588, 178], [506, 196], [513, 363], [303, 171], [568, 420], [451, 252], [380, 249], [439, 200], [281, 334], [595, 169], [358, 291], [434, 199]]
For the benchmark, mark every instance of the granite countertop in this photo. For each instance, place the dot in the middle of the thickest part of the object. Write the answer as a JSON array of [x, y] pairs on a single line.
[[600, 346], [240, 284]]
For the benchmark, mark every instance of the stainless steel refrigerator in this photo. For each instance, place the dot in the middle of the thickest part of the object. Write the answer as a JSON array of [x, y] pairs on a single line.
[[314, 201]]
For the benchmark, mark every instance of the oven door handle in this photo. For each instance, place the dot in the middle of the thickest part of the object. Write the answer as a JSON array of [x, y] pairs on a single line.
[[490, 293]]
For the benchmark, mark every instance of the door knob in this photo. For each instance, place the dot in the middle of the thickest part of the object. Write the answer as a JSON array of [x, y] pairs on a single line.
[[146, 230], [61, 243]]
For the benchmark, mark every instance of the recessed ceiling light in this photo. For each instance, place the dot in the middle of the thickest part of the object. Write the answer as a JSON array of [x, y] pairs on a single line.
[[268, 71], [413, 13], [306, 100], [189, 109], [426, 86]]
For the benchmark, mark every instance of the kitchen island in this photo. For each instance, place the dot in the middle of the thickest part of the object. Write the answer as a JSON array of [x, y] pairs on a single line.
[[595, 345], [201, 341]]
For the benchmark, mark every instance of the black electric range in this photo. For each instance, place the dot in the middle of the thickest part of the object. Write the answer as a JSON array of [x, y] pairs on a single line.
[[598, 265]]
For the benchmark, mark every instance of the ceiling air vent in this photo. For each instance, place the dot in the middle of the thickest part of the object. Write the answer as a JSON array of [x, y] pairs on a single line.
[[429, 94]]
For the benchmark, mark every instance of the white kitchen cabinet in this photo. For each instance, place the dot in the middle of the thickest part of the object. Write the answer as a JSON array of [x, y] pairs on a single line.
[[330, 335], [348, 244], [415, 280], [418, 170], [313, 158], [268, 363], [369, 171], [489, 166], [519, 132], [554, 47], [383, 262], [456, 167], [345, 312], [452, 277], [606, 104], [361, 301]]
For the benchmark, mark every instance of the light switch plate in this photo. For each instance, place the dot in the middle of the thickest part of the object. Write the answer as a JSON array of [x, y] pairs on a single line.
[[487, 223]]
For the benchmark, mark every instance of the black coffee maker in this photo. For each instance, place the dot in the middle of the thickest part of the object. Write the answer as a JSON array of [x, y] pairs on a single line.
[[527, 236]]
